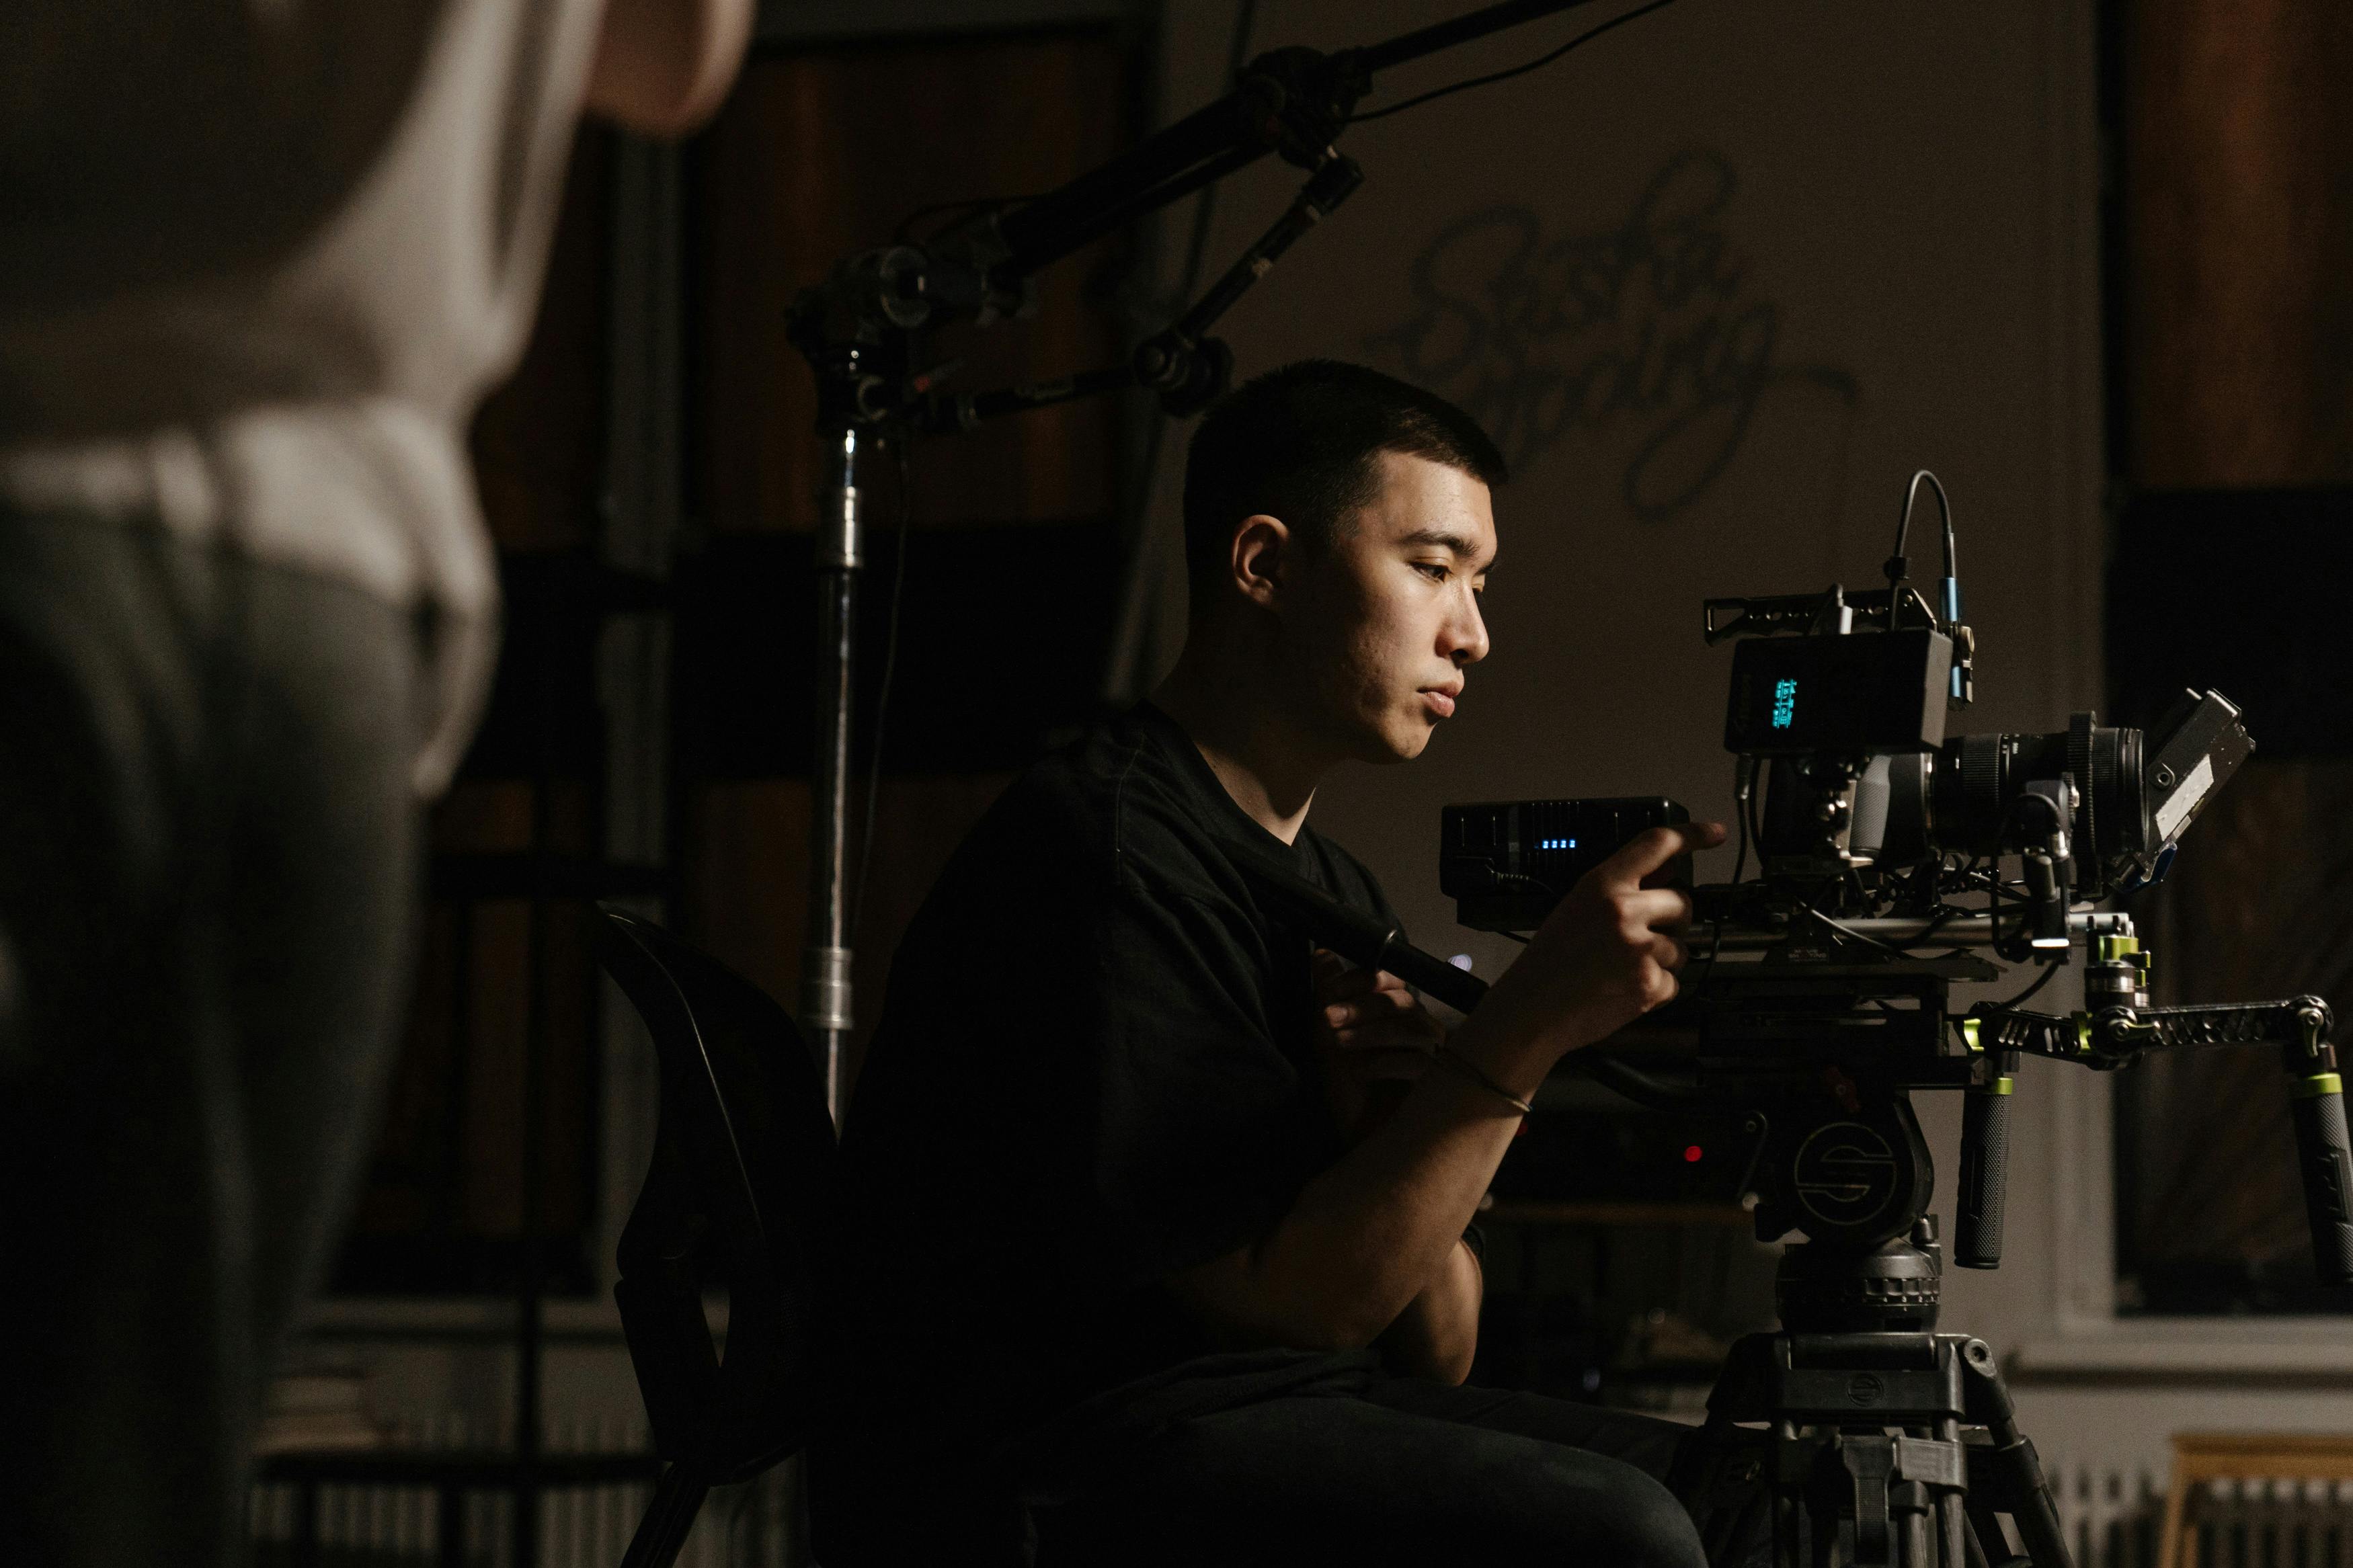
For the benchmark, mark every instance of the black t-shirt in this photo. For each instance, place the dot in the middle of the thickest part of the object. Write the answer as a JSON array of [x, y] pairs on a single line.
[[1094, 1068]]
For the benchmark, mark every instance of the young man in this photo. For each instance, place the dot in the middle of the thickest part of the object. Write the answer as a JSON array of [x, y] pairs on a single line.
[[1144, 1265]]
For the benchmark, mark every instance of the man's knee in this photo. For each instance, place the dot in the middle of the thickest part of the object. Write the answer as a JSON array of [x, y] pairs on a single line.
[[1612, 1512], [1351, 1484]]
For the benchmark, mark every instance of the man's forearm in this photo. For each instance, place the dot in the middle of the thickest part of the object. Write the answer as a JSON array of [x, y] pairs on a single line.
[[1365, 1238], [1370, 1233], [1436, 1335]]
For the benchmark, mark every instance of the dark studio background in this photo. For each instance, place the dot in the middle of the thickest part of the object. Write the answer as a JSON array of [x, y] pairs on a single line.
[[2229, 364], [648, 739]]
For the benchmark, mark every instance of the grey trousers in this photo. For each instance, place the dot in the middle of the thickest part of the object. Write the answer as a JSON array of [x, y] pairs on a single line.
[[209, 856], [1387, 1472]]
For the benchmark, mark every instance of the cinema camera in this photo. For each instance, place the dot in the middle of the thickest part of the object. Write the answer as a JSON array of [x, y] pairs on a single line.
[[1818, 999], [1819, 995]]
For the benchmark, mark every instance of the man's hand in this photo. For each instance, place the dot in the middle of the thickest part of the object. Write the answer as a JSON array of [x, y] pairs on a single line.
[[1605, 955], [1373, 1039]]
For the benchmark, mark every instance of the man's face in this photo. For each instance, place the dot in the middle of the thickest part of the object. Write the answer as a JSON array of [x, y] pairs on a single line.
[[1383, 623]]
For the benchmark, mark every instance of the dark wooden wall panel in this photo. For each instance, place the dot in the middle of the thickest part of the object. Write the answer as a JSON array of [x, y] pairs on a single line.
[[2239, 212], [821, 153], [539, 439], [2234, 237], [2260, 906]]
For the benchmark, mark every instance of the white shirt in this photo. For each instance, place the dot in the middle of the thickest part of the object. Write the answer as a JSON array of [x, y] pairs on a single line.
[[259, 260]]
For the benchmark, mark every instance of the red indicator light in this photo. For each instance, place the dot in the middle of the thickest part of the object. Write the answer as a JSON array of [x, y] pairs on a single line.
[[1692, 1153]]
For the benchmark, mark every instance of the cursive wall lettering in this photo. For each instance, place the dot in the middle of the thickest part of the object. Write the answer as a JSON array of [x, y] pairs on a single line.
[[1646, 328]]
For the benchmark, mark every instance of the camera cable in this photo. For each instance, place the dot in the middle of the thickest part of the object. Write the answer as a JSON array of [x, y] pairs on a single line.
[[1899, 566], [2026, 995], [1538, 64]]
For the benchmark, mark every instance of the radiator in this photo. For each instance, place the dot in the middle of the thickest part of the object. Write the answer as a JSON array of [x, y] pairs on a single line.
[[755, 1525], [2272, 1524], [2113, 1519]]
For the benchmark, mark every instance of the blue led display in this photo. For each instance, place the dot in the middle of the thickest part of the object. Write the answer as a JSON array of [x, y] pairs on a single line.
[[1555, 843], [1784, 703]]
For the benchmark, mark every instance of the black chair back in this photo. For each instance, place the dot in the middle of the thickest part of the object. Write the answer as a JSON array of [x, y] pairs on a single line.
[[738, 1198]]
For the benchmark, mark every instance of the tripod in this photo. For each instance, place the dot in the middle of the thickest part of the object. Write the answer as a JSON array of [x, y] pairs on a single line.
[[1888, 1443]]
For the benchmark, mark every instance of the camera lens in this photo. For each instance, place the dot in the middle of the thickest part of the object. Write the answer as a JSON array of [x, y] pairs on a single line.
[[1977, 780]]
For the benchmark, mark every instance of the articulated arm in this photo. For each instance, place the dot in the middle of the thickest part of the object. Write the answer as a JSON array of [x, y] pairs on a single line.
[[2116, 1036]]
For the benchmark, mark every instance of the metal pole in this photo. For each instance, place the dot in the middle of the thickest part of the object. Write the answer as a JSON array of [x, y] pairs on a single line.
[[824, 962], [524, 1542]]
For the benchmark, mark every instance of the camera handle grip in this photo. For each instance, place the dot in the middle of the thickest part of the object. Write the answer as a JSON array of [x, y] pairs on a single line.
[[1985, 1162], [2324, 1156], [2327, 1164]]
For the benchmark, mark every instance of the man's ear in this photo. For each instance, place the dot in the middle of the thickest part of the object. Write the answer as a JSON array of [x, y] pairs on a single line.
[[1260, 558]]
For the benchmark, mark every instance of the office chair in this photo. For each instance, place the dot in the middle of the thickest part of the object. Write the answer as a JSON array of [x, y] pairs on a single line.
[[738, 1199]]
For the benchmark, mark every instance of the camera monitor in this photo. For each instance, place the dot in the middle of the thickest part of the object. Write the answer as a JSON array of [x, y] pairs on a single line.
[[1863, 696]]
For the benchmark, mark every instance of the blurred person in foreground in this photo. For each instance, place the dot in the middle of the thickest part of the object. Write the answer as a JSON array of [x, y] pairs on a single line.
[[264, 259]]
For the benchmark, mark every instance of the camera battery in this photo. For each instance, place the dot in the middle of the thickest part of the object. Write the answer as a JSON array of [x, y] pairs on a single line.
[[1506, 863]]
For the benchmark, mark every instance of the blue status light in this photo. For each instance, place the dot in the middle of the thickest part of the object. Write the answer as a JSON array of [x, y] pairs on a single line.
[[1555, 843], [1784, 703]]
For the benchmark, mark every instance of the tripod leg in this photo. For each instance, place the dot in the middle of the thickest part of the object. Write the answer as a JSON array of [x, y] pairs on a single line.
[[1959, 1547], [1915, 1539], [2026, 1492], [2037, 1515], [677, 1498], [1975, 1553], [1869, 1463], [1789, 1545], [1721, 1476], [1952, 1526], [1789, 1475], [1952, 1543]]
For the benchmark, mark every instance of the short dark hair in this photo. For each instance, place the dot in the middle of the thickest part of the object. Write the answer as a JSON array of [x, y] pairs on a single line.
[[1300, 443]]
